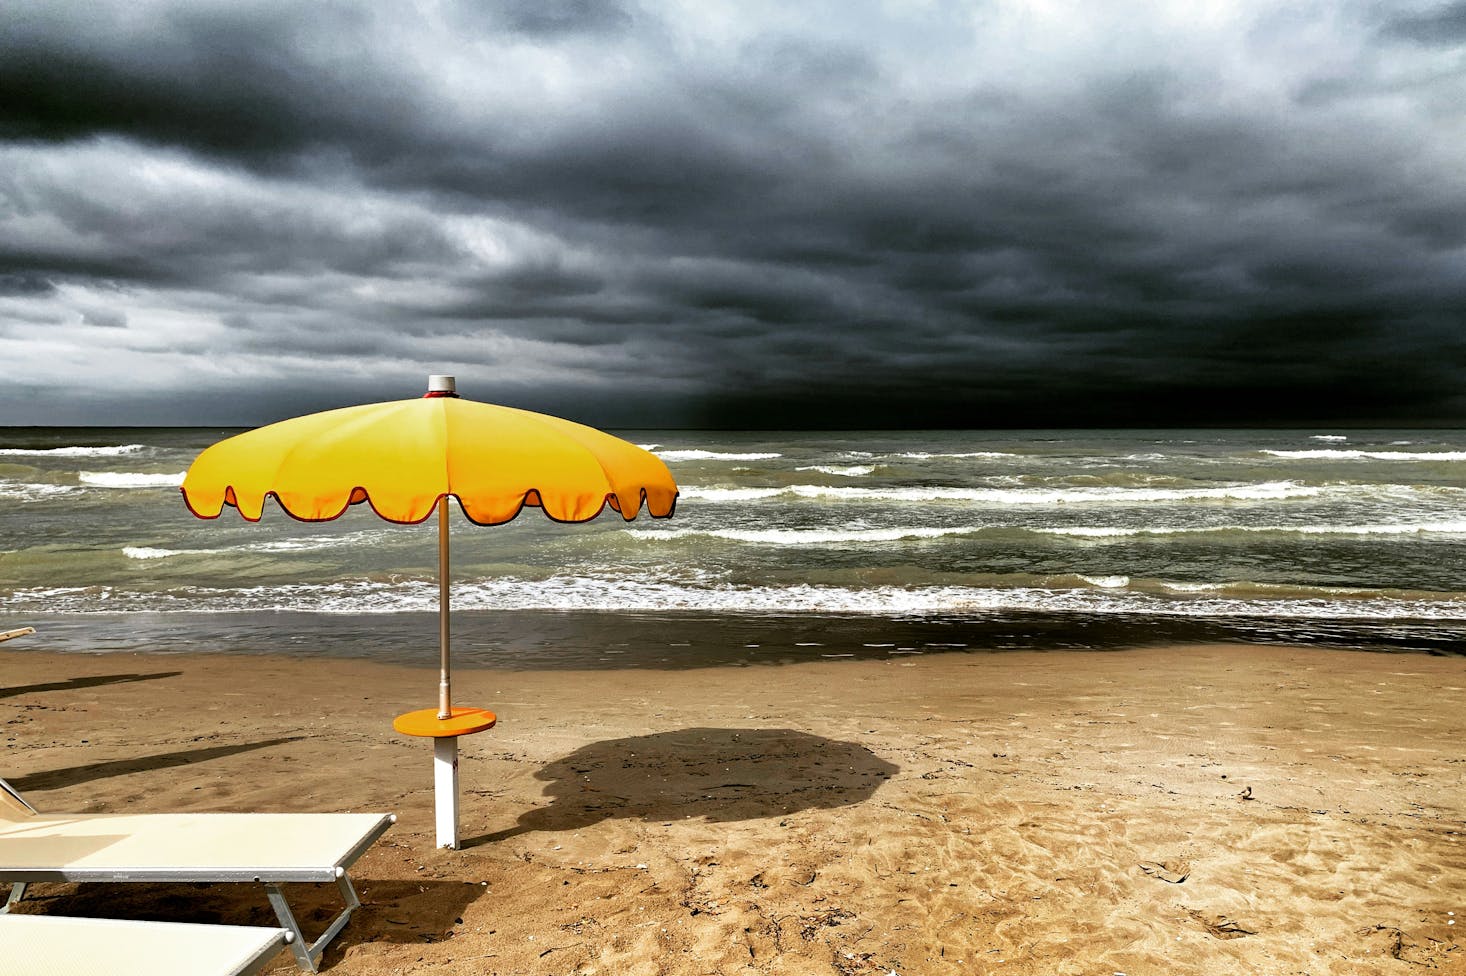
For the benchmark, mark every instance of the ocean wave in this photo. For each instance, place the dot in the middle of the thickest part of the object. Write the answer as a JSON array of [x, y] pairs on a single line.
[[1103, 596], [801, 537], [1269, 491], [1339, 455], [1107, 582], [926, 456], [698, 455], [148, 552], [720, 495], [1330, 438], [27, 491], [130, 479], [853, 471], [72, 451], [1387, 529], [309, 544]]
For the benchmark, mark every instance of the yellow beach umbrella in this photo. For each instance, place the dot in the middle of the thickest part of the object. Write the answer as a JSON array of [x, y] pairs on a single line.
[[406, 459]]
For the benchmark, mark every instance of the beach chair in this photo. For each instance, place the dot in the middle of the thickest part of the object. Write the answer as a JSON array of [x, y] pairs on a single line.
[[272, 849], [50, 945]]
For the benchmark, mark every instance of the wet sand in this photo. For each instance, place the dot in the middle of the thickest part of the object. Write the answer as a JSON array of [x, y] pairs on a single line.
[[1204, 809]]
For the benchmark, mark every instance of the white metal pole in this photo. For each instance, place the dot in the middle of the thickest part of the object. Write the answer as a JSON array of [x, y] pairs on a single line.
[[445, 704], [445, 789]]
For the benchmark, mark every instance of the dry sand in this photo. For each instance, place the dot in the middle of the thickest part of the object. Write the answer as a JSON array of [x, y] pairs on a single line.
[[1166, 810]]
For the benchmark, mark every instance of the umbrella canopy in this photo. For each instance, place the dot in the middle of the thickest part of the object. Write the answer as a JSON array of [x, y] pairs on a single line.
[[402, 457]]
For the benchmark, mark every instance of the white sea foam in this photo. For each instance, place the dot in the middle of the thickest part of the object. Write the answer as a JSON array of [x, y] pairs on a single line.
[[1387, 529], [147, 552], [1331, 438], [307, 544], [1338, 455], [854, 471], [1269, 491], [1058, 496], [926, 456], [697, 455], [72, 451], [729, 494], [1107, 582], [620, 594], [801, 537], [130, 479], [26, 491]]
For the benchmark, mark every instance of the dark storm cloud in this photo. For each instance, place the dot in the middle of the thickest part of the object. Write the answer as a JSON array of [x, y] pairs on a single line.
[[957, 214]]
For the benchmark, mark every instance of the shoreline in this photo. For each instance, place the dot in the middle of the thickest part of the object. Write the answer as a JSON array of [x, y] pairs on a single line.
[[932, 814], [531, 640]]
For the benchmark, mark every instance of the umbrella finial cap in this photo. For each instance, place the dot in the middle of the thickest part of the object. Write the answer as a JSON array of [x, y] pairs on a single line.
[[442, 386]]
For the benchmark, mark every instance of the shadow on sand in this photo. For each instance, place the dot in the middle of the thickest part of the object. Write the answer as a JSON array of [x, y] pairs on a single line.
[[55, 779], [76, 684], [719, 775], [411, 912]]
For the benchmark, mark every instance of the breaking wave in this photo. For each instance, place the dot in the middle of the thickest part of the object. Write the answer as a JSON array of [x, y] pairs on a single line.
[[801, 537], [1338, 455], [312, 544], [1269, 491], [30, 492], [853, 471], [698, 455], [925, 456], [129, 479], [72, 451], [1402, 529], [1090, 595]]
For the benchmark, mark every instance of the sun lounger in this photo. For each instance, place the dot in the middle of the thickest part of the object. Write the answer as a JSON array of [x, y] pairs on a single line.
[[272, 849], [49, 945]]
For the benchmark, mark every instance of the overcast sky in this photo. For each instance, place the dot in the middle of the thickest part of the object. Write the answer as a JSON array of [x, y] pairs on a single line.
[[734, 212]]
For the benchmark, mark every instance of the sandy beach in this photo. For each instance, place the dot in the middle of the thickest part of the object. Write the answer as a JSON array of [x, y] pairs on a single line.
[[1202, 809]]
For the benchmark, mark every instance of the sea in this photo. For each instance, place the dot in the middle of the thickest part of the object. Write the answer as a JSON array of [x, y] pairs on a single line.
[[785, 546]]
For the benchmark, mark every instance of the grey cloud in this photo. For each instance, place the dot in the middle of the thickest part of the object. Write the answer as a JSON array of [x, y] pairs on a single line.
[[25, 283], [1444, 26], [107, 318]]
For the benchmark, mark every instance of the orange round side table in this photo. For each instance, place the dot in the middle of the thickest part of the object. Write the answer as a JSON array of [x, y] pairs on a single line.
[[445, 732], [461, 721]]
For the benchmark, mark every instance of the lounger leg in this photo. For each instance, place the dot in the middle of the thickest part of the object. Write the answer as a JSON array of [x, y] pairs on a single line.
[[308, 954], [17, 892], [305, 953]]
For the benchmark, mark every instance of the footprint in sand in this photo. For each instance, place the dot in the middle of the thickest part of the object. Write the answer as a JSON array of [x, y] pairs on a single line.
[[1221, 926], [1173, 872]]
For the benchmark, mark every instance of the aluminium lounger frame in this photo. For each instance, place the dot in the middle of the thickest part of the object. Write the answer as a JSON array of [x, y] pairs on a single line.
[[307, 954]]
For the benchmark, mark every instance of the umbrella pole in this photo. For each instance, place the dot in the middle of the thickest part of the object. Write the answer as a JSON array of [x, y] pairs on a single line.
[[445, 707], [445, 749]]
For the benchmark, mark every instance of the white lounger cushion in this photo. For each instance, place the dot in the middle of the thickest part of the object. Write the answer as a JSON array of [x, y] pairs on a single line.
[[185, 846], [50, 945]]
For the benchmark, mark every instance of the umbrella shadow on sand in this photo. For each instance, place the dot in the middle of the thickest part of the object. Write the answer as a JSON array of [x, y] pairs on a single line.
[[54, 779], [718, 775], [76, 684]]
